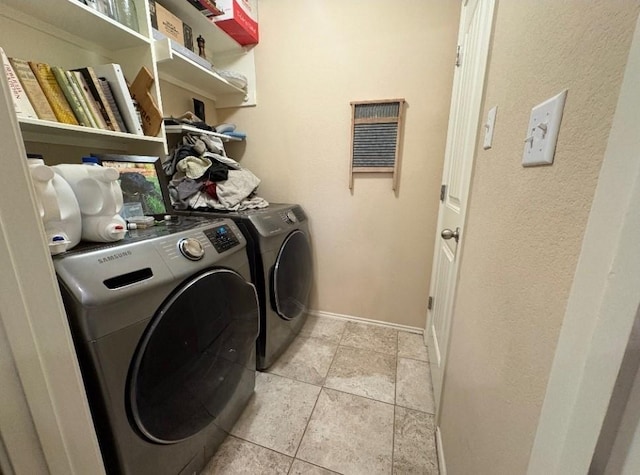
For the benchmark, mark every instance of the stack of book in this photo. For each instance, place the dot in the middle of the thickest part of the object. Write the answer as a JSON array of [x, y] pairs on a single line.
[[95, 96]]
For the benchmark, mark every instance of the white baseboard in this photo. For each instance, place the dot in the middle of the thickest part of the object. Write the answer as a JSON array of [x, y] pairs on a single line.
[[443, 466], [351, 318]]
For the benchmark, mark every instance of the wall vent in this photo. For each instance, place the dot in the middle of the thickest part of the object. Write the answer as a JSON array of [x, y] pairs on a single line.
[[376, 128]]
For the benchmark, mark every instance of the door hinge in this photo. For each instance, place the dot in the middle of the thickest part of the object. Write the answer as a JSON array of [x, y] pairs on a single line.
[[443, 192], [430, 304], [458, 56]]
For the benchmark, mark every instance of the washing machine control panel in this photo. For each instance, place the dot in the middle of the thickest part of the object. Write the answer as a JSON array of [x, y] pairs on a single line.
[[222, 238]]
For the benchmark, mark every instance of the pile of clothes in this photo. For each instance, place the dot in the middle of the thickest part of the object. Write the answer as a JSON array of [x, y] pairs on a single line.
[[203, 177]]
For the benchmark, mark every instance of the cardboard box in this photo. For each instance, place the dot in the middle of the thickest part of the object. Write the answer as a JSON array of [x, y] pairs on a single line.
[[240, 20], [170, 25], [167, 23]]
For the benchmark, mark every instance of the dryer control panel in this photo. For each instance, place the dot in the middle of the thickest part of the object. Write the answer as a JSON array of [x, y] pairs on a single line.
[[222, 238]]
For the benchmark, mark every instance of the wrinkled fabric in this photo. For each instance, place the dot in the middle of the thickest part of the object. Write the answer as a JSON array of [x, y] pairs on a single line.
[[216, 172], [210, 189], [178, 154], [203, 177], [214, 144], [229, 162], [193, 167], [234, 194], [239, 185], [202, 201], [181, 190]]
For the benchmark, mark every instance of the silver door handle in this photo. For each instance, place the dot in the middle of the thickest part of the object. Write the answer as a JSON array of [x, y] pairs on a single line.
[[448, 234]]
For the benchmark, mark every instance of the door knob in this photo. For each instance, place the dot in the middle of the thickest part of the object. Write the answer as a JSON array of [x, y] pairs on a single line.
[[448, 234]]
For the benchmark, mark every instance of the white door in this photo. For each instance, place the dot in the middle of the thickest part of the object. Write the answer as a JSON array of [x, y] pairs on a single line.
[[468, 85]]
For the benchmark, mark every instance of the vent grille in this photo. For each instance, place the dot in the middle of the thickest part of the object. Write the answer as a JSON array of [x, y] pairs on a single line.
[[377, 110], [374, 145], [376, 131]]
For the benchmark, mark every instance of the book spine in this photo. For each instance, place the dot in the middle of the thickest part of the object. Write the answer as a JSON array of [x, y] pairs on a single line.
[[96, 92], [106, 89], [91, 102], [32, 88], [54, 94], [80, 95], [72, 99], [115, 77], [103, 99], [21, 102]]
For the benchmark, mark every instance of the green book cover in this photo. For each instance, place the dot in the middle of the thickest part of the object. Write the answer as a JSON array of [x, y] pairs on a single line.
[[76, 88], [68, 92]]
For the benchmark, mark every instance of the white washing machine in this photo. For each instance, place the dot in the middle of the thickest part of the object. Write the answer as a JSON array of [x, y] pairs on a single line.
[[165, 325]]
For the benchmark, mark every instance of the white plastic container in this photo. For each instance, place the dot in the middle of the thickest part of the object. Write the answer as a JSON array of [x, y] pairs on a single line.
[[100, 198], [58, 207]]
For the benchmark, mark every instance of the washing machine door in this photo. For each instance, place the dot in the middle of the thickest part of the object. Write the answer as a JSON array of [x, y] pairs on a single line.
[[196, 349], [292, 276]]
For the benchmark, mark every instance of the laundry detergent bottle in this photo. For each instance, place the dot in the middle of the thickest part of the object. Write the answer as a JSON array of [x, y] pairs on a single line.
[[100, 198], [57, 206]]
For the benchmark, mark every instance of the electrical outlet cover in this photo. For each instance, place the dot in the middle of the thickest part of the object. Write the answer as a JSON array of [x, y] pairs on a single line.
[[542, 132], [488, 128]]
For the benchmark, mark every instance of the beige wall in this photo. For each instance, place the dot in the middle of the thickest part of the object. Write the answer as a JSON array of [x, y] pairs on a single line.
[[372, 249], [525, 226]]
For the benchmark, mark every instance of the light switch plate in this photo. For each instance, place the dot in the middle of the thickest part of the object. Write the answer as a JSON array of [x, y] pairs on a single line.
[[488, 128], [542, 132]]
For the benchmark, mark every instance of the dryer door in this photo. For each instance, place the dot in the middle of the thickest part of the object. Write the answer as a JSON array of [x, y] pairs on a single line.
[[194, 352], [291, 277]]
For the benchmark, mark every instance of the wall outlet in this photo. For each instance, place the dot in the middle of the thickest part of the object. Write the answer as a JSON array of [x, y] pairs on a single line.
[[488, 128]]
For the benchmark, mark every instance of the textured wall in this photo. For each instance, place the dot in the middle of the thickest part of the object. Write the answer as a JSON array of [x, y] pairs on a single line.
[[525, 226], [372, 249]]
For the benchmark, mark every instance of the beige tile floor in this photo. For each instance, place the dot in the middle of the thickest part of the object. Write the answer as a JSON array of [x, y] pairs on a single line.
[[346, 398]]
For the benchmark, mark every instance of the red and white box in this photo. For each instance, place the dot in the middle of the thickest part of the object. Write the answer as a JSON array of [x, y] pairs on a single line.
[[239, 21]]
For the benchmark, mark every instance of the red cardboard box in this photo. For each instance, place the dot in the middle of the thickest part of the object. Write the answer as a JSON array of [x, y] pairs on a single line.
[[240, 20]]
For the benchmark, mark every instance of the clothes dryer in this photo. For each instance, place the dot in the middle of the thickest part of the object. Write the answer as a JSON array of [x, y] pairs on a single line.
[[165, 324], [279, 250]]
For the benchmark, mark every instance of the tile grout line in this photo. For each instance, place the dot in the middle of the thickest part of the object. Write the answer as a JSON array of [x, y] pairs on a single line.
[[316, 403], [414, 409], [395, 391], [413, 359], [319, 392], [259, 445]]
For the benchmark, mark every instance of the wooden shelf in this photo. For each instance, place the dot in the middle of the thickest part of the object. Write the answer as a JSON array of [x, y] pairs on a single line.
[[43, 131], [177, 69], [70, 18], [183, 128]]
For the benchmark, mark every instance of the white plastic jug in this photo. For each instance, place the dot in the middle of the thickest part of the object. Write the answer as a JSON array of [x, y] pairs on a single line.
[[58, 207], [100, 198]]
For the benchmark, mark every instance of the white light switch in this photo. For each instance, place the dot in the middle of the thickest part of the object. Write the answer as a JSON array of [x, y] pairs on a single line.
[[542, 133], [488, 128]]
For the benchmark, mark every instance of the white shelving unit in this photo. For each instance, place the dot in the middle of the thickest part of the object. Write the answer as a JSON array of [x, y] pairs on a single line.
[[64, 18], [43, 131], [69, 34], [177, 69], [220, 49], [182, 129]]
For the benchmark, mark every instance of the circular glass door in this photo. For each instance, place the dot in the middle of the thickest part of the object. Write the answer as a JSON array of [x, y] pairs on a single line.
[[192, 355], [292, 276]]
